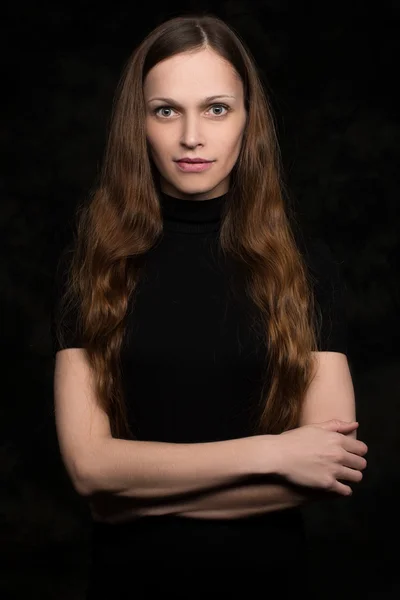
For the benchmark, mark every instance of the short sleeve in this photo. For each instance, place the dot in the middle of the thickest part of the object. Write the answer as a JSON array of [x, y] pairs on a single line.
[[65, 322], [329, 295]]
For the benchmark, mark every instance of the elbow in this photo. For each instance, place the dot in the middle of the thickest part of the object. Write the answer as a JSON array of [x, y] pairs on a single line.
[[78, 476], [82, 481]]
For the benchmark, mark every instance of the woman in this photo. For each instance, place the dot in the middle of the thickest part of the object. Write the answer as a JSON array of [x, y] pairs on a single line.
[[202, 389]]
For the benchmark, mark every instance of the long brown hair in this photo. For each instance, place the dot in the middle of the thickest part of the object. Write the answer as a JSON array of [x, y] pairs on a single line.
[[121, 221]]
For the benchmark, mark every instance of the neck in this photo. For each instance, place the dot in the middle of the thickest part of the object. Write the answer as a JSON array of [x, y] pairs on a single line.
[[192, 216]]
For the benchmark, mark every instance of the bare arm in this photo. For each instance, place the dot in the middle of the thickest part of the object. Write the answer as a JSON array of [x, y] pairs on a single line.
[[331, 393], [181, 478], [141, 469], [251, 496], [98, 463], [330, 396]]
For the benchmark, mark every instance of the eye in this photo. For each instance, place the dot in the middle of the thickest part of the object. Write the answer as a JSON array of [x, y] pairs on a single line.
[[220, 107], [220, 110], [157, 111]]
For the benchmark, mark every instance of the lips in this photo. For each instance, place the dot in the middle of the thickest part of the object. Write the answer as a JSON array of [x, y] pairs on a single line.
[[194, 166], [193, 160]]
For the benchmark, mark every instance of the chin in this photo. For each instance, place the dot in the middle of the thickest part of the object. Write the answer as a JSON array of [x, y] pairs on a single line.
[[196, 189]]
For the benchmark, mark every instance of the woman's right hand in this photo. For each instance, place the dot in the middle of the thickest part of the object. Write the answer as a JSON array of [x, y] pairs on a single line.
[[322, 455]]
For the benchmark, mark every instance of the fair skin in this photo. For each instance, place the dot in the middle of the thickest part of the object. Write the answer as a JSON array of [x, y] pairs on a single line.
[[195, 108], [127, 479]]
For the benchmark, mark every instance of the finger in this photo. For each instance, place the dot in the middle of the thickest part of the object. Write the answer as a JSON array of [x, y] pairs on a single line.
[[342, 489], [337, 425], [346, 428], [347, 474], [353, 461], [355, 446]]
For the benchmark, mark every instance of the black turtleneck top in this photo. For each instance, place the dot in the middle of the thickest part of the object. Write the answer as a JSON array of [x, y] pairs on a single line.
[[192, 362], [192, 365]]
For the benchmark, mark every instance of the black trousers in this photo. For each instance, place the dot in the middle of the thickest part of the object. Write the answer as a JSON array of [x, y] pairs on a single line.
[[192, 558]]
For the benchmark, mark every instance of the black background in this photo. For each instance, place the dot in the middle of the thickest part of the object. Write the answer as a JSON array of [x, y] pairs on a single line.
[[331, 71]]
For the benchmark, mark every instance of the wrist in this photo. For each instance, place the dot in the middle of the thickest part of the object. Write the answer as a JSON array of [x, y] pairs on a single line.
[[266, 455]]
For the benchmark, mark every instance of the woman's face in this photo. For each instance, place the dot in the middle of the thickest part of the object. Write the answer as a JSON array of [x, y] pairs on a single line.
[[194, 110]]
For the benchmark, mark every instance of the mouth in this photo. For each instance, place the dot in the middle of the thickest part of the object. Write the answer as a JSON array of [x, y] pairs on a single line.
[[194, 166], [194, 160]]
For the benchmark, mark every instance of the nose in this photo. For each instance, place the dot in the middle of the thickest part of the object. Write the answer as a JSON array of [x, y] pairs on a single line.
[[191, 136]]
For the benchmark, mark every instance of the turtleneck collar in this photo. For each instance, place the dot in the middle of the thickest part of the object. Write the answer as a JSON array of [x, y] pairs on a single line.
[[192, 216]]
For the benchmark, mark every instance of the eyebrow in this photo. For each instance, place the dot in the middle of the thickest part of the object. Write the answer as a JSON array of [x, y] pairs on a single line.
[[205, 101]]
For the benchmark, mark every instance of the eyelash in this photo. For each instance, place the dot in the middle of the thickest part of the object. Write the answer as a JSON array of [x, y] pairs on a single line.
[[156, 110]]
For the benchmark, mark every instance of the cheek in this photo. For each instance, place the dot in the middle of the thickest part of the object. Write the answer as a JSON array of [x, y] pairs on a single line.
[[230, 145], [155, 138], [158, 149], [232, 136]]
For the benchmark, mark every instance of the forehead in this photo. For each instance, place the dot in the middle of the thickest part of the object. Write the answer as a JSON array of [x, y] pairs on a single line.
[[203, 71]]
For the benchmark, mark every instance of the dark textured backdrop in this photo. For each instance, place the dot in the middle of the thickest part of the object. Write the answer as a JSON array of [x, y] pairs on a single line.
[[331, 69]]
